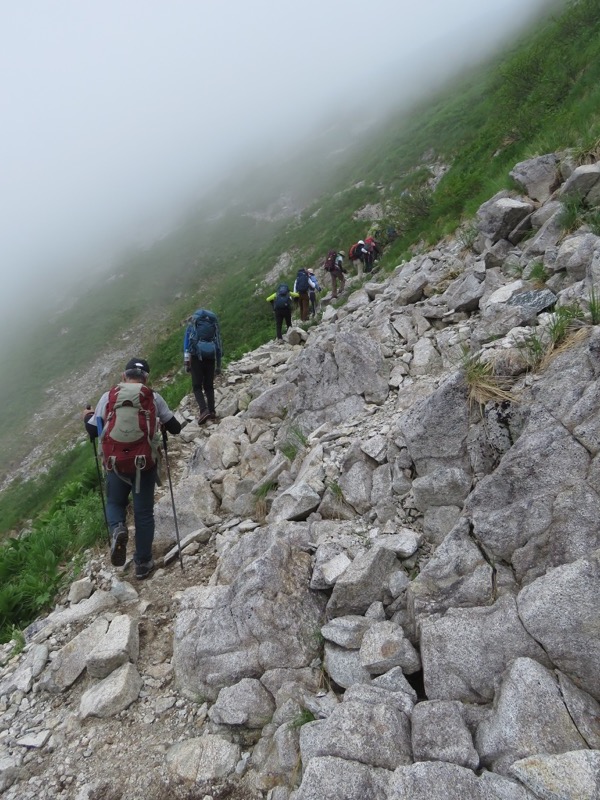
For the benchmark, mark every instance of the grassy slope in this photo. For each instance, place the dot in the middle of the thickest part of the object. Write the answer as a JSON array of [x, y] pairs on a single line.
[[541, 97]]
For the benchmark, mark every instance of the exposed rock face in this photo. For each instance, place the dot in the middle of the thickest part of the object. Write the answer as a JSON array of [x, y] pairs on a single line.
[[391, 587]]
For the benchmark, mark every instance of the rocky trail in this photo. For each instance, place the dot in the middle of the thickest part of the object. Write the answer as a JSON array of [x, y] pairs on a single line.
[[391, 551]]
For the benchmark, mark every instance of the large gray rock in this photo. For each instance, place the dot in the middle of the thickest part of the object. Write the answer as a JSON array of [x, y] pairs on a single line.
[[100, 601], [434, 780], [29, 667], [70, 661], [274, 402], [206, 758], [440, 733], [331, 778], [113, 694], [294, 504], [568, 776], [356, 485], [385, 646], [330, 562], [343, 666], [538, 176], [497, 217], [548, 235], [560, 610], [120, 644], [9, 770], [529, 717], [584, 710], [457, 575], [436, 429], [581, 181], [254, 544], [266, 617], [536, 511], [402, 696], [331, 372], [534, 301], [426, 358], [466, 650], [464, 293], [275, 759], [441, 487], [246, 703], [194, 501], [376, 735], [347, 631], [363, 582], [575, 255]]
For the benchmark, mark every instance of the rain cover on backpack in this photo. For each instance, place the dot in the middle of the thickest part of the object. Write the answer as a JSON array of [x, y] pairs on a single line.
[[203, 334], [128, 437], [283, 299]]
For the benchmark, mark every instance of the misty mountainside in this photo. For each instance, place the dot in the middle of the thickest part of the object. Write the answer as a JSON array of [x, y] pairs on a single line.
[[422, 173], [390, 568]]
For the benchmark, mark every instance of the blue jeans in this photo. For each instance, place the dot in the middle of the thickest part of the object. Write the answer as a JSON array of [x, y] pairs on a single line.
[[117, 497]]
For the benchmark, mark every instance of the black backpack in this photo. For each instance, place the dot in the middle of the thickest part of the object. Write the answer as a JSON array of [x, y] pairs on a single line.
[[302, 281], [282, 299]]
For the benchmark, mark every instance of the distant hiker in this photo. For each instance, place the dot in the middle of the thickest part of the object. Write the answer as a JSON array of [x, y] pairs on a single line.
[[373, 253], [202, 354], [312, 292], [130, 460], [281, 301], [357, 254], [334, 264], [302, 284]]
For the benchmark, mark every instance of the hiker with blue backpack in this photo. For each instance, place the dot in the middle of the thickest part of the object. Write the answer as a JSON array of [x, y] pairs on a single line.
[[281, 300], [202, 354], [302, 285], [127, 420]]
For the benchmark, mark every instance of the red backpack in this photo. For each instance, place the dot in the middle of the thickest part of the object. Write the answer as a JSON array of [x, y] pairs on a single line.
[[128, 437], [352, 252]]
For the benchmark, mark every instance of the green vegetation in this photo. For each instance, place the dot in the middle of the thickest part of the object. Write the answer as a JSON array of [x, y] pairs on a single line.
[[261, 506], [428, 171], [594, 306], [302, 718], [537, 274], [294, 442], [25, 499], [35, 567]]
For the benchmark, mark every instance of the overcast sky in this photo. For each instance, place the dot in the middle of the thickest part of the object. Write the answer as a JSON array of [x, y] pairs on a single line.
[[111, 109]]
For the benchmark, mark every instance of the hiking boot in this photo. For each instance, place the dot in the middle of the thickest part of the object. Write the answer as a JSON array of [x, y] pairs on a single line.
[[204, 415], [144, 569], [213, 417], [118, 545]]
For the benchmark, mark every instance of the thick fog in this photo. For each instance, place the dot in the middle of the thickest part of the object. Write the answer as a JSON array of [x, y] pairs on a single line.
[[116, 111]]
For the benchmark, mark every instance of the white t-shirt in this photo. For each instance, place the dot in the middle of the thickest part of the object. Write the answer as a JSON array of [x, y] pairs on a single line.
[[163, 412]]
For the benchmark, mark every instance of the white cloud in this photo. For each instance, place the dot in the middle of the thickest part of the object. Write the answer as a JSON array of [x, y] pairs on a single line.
[[110, 106]]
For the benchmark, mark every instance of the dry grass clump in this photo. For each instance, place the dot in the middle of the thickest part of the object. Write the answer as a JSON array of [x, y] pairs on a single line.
[[483, 383]]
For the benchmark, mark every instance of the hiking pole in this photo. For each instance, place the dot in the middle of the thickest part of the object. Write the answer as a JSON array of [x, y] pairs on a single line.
[[93, 441], [164, 438], [86, 417]]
